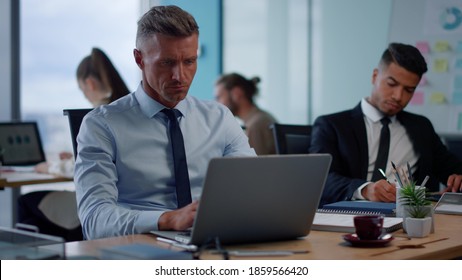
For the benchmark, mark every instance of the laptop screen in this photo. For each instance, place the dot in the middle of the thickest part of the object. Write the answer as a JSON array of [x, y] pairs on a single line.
[[20, 144]]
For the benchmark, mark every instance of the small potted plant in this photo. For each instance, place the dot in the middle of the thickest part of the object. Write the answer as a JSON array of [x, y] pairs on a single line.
[[417, 210]]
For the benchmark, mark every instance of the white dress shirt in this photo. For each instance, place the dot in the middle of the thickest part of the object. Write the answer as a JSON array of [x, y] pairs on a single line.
[[401, 149]]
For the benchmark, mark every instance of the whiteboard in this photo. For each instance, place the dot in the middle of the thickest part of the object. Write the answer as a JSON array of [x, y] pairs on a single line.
[[435, 28]]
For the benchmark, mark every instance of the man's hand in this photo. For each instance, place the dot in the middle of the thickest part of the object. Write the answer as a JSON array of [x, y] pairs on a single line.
[[180, 219], [65, 155], [454, 183], [380, 191], [42, 167]]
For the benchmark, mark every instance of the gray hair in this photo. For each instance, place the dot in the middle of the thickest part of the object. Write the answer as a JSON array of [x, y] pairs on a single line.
[[166, 20]]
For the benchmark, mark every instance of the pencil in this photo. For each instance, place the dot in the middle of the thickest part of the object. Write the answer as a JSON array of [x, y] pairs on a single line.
[[409, 171], [425, 181], [398, 179]]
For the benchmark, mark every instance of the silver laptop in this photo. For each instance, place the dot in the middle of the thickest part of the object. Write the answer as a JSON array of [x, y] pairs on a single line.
[[257, 199], [20, 144]]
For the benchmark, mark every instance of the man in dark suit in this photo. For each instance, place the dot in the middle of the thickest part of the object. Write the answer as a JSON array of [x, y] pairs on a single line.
[[352, 137]]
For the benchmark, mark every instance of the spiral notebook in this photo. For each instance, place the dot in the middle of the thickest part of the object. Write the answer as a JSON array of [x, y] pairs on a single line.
[[344, 222], [360, 207]]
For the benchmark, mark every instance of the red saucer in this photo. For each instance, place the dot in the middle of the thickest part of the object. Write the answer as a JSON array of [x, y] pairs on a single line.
[[354, 240]]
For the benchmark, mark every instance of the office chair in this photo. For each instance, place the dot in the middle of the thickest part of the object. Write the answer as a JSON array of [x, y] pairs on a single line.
[[75, 117], [291, 139], [28, 204]]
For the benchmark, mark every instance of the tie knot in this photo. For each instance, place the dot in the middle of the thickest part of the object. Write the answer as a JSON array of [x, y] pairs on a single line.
[[172, 114], [385, 121]]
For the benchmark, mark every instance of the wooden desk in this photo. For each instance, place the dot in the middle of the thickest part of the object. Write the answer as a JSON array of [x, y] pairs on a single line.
[[321, 245], [17, 179]]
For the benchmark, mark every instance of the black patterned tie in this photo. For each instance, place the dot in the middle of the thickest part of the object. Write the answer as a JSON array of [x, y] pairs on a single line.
[[384, 146], [183, 189]]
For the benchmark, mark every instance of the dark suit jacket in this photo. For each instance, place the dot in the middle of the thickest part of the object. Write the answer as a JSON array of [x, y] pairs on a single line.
[[343, 135]]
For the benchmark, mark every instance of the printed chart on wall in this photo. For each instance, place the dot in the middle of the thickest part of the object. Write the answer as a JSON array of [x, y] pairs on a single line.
[[435, 28]]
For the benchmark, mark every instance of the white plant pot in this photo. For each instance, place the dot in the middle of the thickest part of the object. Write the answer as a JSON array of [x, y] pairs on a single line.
[[429, 214], [418, 227]]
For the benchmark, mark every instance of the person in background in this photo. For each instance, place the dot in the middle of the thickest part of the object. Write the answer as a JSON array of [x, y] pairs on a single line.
[[352, 137], [142, 159], [100, 83], [55, 212], [238, 93]]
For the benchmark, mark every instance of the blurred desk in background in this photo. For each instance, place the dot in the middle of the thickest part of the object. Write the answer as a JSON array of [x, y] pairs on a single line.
[[16, 179]]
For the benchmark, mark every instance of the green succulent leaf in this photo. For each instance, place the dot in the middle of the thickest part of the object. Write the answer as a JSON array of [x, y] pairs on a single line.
[[415, 198]]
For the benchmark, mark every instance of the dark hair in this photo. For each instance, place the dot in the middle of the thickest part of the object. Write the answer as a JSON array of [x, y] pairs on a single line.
[[167, 20], [100, 67], [229, 81], [406, 56]]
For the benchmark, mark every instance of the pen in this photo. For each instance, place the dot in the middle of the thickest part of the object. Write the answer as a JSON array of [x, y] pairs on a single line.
[[425, 181], [394, 166], [260, 253], [174, 243], [409, 172], [404, 178], [384, 175]]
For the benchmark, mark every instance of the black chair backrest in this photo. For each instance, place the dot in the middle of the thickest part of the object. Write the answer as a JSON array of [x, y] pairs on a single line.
[[75, 117], [291, 139]]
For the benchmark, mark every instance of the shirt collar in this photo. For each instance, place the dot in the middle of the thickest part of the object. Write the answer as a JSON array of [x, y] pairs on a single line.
[[151, 107], [373, 113]]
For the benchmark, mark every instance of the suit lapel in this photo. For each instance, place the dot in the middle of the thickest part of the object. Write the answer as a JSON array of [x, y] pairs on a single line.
[[359, 131]]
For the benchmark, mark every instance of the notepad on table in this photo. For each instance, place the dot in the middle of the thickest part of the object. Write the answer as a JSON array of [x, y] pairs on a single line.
[[345, 223], [449, 203], [360, 207]]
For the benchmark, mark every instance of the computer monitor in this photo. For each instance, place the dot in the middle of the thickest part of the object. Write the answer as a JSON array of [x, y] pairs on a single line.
[[20, 144]]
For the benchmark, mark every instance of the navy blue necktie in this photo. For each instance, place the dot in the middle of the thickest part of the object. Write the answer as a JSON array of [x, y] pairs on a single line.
[[384, 146], [183, 189]]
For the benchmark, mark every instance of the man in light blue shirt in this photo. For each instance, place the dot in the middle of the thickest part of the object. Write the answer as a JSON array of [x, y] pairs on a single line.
[[124, 172]]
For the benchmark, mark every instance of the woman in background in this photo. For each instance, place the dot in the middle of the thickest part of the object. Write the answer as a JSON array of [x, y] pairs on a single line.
[[55, 212]]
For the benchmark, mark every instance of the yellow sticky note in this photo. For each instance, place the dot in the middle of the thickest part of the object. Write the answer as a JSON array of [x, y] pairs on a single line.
[[437, 98], [442, 46], [440, 65]]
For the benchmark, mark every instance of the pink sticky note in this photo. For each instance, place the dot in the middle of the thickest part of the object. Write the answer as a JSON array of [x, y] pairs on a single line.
[[423, 47], [423, 81], [418, 98]]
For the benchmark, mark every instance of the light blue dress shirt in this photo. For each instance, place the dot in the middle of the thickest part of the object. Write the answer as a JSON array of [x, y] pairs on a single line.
[[124, 170]]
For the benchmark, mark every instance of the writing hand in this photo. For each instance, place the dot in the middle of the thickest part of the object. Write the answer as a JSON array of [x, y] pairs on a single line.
[[42, 167], [180, 219], [380, 191], [65, 155], [454, 183]]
